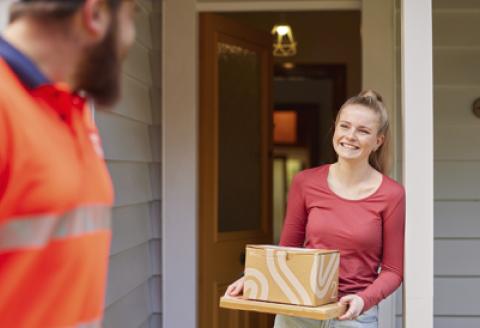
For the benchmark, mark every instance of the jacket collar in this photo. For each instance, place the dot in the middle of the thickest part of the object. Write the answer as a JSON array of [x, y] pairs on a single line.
[[28, 73]]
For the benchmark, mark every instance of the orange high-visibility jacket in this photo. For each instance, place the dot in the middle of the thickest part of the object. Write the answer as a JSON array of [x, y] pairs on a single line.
[[55, 199]]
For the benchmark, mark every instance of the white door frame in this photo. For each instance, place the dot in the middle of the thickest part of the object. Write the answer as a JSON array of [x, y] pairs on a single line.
[[180, 138]]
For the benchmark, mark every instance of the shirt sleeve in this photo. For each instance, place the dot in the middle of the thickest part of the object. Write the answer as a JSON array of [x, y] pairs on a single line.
[[293, 232], [391, 274]]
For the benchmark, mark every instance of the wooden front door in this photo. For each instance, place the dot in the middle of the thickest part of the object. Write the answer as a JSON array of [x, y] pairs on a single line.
[[235, 195]]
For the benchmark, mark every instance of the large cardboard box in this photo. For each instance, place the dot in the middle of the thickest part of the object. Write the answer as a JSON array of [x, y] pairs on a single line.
[[291, 275]]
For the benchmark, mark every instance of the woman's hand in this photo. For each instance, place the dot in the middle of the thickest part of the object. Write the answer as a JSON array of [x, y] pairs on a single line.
[[355, 306], [236, 288]]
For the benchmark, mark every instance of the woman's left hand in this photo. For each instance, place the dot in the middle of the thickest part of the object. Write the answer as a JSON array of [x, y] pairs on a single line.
[[355, 306]]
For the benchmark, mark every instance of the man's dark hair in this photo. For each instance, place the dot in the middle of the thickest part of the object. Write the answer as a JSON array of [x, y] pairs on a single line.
[[50, 9]]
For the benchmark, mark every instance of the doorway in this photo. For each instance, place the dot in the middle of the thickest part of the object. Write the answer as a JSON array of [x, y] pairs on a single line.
[[244, 171], [180, 283]]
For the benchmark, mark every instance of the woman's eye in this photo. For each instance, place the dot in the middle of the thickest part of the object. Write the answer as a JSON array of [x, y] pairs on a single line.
[[344, 126], [364, 132]]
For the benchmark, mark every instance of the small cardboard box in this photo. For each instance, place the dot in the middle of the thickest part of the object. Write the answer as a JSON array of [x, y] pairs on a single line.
[[291, 275]]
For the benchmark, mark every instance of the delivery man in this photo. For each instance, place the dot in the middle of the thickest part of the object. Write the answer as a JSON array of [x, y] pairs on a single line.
[[56, 57]]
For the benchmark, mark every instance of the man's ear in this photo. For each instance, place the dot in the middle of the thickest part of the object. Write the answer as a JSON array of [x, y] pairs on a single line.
[[95, 18]]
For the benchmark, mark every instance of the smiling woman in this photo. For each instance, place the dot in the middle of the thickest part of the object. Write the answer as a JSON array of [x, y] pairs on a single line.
[[352, 206]]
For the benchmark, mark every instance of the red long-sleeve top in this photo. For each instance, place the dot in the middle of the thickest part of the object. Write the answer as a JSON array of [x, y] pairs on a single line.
[[369, 232]]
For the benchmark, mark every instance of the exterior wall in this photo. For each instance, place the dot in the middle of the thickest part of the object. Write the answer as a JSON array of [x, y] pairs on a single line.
[[456, 47], [131, 138], [457, 159]]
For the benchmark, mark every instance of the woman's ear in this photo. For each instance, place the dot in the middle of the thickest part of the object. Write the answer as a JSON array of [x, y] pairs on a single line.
[[380, 140], [95, 18]]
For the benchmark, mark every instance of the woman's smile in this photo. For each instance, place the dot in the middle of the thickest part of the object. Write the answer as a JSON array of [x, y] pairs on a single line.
[[356, 134]]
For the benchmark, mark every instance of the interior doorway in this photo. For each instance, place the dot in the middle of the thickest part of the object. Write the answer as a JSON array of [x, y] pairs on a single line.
[[309, 87]]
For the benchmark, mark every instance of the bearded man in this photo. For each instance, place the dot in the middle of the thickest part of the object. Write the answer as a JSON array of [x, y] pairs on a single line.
[[56, 58]]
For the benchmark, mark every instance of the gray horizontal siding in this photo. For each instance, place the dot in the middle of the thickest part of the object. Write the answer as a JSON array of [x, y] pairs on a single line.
[[457, 143], [457, 180], [455, 5], [453, 106], [132, 182], [128, 270], [454, 66], [124, 138], [454, 29], [131, 136], [136, 101], [457, 160], [457, 257], [457, 219], [457, 296], [131, 310], [131, 228]]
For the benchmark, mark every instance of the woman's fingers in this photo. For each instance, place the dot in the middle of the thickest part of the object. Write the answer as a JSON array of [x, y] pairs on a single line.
[[349, 315], [355, 307], [235, 289], [229, 290]]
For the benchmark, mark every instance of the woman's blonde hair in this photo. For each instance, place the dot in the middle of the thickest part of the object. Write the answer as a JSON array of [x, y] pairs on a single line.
[[379, 159]]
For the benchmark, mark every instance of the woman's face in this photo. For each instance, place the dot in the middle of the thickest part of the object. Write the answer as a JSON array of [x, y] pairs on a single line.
[[356, 133]]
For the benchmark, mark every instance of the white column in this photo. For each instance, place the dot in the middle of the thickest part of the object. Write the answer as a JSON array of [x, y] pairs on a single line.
[[179, 167], [417, 94]]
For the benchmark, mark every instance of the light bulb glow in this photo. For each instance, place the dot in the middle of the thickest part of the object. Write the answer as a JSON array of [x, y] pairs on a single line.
[[283, 30]]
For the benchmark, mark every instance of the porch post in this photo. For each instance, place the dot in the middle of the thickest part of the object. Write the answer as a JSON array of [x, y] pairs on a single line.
[[179, 164], [417, 94]]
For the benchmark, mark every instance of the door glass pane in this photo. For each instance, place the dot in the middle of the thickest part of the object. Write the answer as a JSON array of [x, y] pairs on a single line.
[[239, 139]]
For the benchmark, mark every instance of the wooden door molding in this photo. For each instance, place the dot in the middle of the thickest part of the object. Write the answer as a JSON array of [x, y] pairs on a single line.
[[215, 246]]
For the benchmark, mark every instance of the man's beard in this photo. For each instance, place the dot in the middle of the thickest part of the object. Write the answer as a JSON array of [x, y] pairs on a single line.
[[98, 73]]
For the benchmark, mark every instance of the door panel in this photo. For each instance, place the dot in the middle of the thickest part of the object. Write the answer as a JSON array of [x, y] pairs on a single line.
[[235, 161]]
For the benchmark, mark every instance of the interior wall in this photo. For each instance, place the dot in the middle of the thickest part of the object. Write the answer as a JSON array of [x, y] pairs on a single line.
[[324, 37], [317, 92]]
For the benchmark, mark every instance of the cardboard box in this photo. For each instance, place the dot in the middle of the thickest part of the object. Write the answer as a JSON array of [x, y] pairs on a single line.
[[291, 275]]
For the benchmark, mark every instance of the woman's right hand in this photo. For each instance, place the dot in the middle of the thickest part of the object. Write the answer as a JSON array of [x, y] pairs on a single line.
[[236, 288]]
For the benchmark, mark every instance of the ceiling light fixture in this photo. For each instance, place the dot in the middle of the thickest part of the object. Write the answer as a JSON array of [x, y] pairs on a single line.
[[284, 44]]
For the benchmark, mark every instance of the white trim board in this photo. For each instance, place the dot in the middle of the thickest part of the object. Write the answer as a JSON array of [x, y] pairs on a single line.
[[179, 164], [232, 6], [417, 96]]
